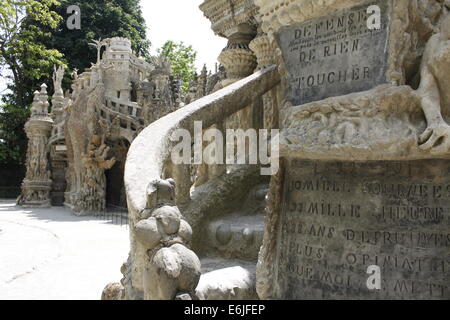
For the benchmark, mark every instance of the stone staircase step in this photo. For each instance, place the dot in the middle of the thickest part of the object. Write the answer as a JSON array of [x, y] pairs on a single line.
[[236, 236], [227, 280]]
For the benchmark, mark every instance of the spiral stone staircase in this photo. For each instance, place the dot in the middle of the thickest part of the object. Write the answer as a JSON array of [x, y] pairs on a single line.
[[231, 247], [226, 213]]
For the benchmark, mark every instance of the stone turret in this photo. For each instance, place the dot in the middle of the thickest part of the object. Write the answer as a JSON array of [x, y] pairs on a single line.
[[120, 44], [37, 183]]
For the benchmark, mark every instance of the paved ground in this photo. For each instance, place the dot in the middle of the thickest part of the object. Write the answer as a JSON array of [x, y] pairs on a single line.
[[52, 254]]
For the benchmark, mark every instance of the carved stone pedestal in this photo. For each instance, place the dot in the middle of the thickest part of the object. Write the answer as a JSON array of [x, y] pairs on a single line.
[[37, 183], [36, 193]]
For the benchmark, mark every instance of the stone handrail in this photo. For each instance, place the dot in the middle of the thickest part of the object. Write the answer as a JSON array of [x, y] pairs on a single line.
[[150, 150], [118, 102]]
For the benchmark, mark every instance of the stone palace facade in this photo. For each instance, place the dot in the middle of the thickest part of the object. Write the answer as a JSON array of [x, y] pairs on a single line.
[[76, 154]]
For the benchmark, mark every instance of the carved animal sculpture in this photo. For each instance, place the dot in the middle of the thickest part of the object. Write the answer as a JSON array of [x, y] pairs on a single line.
[[171, 267], [435, 97]]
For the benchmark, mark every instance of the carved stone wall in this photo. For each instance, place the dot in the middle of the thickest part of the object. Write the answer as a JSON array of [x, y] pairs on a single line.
[[111, 101]]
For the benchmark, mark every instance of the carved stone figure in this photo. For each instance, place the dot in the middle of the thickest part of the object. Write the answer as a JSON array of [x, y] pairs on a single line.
[[74, 74], [58, 75], [171, 268], [94, 186], [435, 98]]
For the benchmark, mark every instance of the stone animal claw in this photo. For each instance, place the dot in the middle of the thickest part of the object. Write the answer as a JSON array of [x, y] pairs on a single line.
[[436, 139]]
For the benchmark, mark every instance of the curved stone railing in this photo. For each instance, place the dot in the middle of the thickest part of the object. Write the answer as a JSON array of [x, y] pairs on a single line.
[[150, 150], [149, 155]]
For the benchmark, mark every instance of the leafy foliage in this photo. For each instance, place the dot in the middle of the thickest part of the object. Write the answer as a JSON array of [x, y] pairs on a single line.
[[34, 37], [99, 19], [182, 60], [30, 61]]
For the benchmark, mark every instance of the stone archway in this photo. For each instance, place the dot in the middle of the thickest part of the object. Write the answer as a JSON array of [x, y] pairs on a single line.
[[115, 187]]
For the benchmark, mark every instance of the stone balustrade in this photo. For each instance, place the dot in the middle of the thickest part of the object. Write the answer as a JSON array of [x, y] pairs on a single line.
[[147, 162]]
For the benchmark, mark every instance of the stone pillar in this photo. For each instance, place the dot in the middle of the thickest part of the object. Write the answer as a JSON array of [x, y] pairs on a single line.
[[239, 62], [37, 183], [58, 100], [264, 51], [236, 21]]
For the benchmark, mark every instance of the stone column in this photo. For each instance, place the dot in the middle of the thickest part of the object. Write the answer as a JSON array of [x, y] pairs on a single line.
[[239, 62], [264, 50], [37, 183], [58, 100]]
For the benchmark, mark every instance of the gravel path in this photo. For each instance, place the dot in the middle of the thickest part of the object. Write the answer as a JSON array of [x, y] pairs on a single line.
[[52, 254]]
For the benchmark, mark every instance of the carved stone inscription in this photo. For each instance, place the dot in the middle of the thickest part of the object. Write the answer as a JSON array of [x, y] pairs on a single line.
[[335, 55], [338, 219]]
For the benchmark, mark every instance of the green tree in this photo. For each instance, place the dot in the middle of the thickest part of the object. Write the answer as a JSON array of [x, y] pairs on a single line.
[[182, 60], [35, 37], [99, 19], [29, 60]]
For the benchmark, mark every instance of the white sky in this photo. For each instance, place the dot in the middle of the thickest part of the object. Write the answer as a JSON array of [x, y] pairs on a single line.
[[178, 20], [182, 20]]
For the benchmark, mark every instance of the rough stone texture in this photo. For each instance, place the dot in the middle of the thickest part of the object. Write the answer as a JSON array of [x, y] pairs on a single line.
[[267, 253], [339, 218], [380, 124], [112, 101], [233, 283], [172, 270], [221, 197], [229, 17], [264, 50], [435, 100], [236, 20], [385, 123]]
